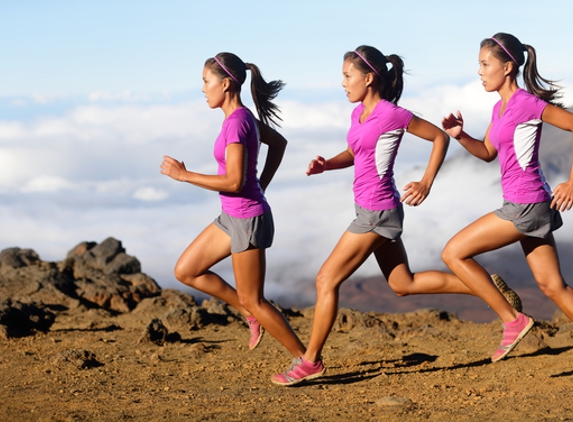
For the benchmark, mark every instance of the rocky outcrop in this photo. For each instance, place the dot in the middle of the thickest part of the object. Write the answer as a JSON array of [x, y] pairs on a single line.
[[106, 276], [25, 278], [92, 276], [100, 275], [96, 287]]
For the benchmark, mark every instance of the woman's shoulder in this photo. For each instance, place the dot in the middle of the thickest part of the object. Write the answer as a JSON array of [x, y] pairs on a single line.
[[523, 96], [527, 104], [389, 111], [240, 117], [385, 106], [241, 113]]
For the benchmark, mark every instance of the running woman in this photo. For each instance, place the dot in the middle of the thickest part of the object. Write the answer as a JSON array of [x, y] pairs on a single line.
[[376, 130], [245, 227], [530, 211]]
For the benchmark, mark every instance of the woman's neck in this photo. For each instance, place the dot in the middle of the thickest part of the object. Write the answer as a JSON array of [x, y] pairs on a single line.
[[369, 102], [231, 103], [507, 90]]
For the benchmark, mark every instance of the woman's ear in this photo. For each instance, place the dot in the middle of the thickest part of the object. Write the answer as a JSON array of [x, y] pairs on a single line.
[[369, 79], [509, 68], [226, 84]]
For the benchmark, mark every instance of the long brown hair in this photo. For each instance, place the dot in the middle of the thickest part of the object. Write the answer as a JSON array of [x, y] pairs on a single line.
[[262, 92], [507, 48], [390, 83]]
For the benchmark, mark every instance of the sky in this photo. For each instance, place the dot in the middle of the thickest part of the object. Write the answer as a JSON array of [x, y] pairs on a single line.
[[93, 94]]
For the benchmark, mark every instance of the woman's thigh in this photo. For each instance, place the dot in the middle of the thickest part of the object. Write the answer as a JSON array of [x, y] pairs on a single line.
[[348, 255], [210, 247], [485, 234]]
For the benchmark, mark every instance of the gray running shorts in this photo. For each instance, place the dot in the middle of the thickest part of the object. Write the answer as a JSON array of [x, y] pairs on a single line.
[[387, 223], [535, 220], [245, 232]]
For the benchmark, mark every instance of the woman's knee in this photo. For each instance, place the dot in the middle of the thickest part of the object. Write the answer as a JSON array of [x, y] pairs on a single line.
[[250, 301], [450, 254], [325, 283], [184, 273], [551, 288], [401, 289], [401, 280]]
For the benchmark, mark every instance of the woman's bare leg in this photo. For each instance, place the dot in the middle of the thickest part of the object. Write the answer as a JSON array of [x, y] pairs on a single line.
[[350, 252], [393, 262], [249, 268], [485, 234], [193, 267], [543, 260]]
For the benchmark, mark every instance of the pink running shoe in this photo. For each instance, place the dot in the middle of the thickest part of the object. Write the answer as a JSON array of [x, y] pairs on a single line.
[[299, 371], [256, 332], [513, 332]]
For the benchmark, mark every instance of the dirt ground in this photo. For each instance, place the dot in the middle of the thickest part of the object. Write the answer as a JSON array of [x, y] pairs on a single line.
[[424, 365]]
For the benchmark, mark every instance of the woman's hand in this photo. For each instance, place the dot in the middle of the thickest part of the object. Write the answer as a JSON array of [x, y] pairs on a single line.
[[316, 166], [340, 161], [415, 193], [173, 168], [563, 196], [453, 125]]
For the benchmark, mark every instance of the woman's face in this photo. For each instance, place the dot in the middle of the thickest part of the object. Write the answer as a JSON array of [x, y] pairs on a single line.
[[354, 82], [491, 70], [213, 88]]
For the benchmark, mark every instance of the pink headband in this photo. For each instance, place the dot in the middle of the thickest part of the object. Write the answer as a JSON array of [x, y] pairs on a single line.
[[505, 49], [369, 65], [226, 70]]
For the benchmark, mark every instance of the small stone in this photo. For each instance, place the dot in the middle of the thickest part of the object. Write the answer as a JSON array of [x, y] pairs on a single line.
[[394, 401], [533, 342], [155, 332]]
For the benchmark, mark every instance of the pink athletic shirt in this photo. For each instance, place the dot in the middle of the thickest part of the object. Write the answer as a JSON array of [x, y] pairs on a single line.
[[515, 135], [375, 145], [241, 127]]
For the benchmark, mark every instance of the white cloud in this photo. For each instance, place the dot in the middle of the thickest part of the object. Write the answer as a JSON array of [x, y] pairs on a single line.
[[567, 96], [40, 98], [119, 96], [317, 116], [125, 123], [18, 102], [11, 131], [95, 144], [47, 184], [149, 193], [93, 172], [435, 103]]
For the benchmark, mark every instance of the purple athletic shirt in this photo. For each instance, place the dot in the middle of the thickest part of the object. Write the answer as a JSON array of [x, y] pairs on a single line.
[[241, 127], [515, 135], [375, 145]]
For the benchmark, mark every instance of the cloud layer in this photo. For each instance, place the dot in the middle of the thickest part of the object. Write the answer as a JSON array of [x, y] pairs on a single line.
[[92, 170]]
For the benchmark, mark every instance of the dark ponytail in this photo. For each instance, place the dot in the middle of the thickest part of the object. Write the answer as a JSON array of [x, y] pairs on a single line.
[[229, 65], [390, 83], [507, 48], [263, 93], [395, 84]]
